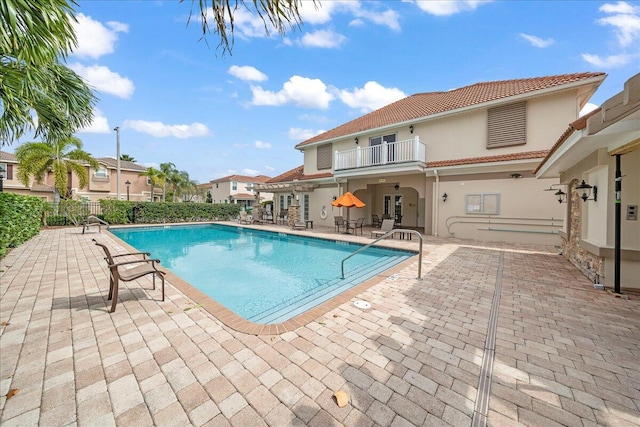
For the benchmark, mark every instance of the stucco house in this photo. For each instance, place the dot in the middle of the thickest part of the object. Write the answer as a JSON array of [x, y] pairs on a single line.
[[452, 163], [102, 182], [237, 189], [601, 232]]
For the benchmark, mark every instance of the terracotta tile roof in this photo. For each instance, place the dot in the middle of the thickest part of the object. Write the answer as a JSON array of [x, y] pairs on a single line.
[[8, 156], [422, 105], [259, 179], [113, 164], [298, 173], [243, 196], [489, 159], [579, 124]]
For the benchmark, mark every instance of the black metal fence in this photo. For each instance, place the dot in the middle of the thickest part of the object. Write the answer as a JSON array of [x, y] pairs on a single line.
[[70, 212]]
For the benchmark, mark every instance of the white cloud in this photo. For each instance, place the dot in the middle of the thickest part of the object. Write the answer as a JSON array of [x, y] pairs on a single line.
[[388, 18], [99, 124], [247, 73], [625, 18], [247, 25], [250, 172], [94, 39], [299, 134], [161, 130], [105, 80], [300, 91], [612, 61], [270, 168], [537, 41], [323, 39], [589, 107], [262, 145], [448, 7], [371, 96]]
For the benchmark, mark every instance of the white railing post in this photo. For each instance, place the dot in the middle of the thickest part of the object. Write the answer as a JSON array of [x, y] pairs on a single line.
[[338, 166], [385, 152], [358, 154], [416, 144]]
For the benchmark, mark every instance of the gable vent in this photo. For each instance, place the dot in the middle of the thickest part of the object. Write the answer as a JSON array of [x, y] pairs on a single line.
[[507, 125]]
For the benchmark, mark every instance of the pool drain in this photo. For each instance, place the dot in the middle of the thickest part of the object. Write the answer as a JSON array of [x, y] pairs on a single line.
[[362, 304]]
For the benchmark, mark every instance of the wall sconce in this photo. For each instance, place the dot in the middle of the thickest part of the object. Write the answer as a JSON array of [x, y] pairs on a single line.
[[561, 196], [396, 187], [356, 140], [335, 198], [444, 197], [516, 175], [587, 190], [411, 129]]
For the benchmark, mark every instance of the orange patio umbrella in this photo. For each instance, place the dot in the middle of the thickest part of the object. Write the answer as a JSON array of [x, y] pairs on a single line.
[[348, 200]]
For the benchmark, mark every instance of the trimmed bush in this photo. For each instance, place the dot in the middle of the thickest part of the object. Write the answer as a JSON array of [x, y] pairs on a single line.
[[20, 219], [123, 212]]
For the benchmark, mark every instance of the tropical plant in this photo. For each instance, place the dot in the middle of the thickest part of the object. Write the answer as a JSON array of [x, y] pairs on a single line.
[[59, 156], [155, 178], [276, 15], [37, 92], [127, 158], [169, 171]]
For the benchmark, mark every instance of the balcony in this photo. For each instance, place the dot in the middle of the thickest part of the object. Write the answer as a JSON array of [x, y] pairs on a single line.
[[410, 150]]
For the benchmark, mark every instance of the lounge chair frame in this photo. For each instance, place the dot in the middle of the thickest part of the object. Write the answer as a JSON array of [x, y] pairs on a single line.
[[117, 273]]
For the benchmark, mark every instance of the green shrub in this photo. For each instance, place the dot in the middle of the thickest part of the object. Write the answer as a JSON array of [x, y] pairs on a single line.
[[116, 211], [122, 212], [57, 220], [20, 219]]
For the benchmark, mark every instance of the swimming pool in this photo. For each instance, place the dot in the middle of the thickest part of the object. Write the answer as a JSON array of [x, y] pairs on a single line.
[[262, 276]]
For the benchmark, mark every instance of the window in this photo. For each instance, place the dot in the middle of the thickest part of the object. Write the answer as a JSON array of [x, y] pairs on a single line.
[[100, 173], [483, 203], [234, 185], [8, 170], [305, 203], [324, 156], [148, 181], [377, 156], [507, 125]]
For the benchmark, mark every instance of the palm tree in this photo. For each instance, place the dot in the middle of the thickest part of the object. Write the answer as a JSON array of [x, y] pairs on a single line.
[[127, 158], [278, 15], [169, 171], [37, 92], [58, 156], [154, 176]]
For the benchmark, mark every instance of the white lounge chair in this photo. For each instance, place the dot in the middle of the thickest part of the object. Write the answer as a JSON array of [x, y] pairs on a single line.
[[387, 225]]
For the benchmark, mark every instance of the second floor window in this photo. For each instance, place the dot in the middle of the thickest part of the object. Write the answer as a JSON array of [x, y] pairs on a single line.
[[507, 125], [100, 173], [234, 185], [324, 156]]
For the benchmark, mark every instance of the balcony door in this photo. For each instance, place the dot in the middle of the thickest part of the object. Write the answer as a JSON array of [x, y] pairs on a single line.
[[376, 153], [392, 206]]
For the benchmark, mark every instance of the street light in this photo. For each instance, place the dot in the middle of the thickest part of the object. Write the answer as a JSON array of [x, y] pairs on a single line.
[[117, 129], [127, 183]]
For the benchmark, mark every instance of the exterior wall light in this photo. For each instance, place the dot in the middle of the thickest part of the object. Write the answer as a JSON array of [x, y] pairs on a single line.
[[587, 190], [356, 140], [444, 197], [411, 128], [561, 196]]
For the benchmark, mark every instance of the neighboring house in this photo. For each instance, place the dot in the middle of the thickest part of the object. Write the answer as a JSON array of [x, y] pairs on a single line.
[[455, 163], [597, 149], [237, 189], [102, 182]]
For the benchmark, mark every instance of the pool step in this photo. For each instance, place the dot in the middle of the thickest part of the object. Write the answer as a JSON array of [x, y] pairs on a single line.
[[354, 275]]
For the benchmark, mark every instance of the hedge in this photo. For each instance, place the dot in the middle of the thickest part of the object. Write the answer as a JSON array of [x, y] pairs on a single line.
[[20, 219], [123, 212]]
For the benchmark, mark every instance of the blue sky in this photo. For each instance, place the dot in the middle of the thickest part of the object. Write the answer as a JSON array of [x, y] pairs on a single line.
[[178, 99]]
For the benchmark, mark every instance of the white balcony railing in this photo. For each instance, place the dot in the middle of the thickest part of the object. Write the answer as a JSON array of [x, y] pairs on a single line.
[[410, 150]]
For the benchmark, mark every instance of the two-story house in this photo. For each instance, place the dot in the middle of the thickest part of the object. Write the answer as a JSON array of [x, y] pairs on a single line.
[[238, 189], [453, 163], [102, 182]]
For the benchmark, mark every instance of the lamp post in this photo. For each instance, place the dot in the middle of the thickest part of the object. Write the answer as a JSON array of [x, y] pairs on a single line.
[[2, 171], [127, 183], [117, 129]]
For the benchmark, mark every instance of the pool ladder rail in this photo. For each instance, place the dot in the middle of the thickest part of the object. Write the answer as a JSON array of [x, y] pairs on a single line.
[[384, 236]]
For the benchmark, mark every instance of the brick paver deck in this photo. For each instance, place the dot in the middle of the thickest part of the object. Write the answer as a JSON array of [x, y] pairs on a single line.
[[555, 351]]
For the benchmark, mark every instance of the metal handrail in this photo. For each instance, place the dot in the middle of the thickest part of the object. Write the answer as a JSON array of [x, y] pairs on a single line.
[[384, 236]]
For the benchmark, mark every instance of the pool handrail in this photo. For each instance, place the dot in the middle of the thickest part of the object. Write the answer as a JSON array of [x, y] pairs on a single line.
[[384, 236]]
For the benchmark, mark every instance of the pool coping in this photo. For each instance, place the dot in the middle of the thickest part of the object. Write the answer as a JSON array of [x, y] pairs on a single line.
[[240, 324]]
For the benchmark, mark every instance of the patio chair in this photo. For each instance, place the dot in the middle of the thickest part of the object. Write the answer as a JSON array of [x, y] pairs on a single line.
[[299, 225], [134, 270], [282, 216], [387, 225], [244, 218], [358, 224], [339, 221], [375, 221], [93, 221]]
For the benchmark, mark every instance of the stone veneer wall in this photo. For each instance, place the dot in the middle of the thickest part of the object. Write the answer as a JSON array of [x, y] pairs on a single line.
[[293, 215], [589, 264]]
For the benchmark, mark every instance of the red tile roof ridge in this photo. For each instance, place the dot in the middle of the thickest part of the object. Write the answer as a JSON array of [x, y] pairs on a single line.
[[489, 159]]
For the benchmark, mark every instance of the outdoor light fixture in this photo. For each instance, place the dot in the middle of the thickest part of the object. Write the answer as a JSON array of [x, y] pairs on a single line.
[[586, 191], [356, 140], [396, 187], [516, 175], [444, 197], [335, 198], [561, 196], [127, 183], [411, 128]]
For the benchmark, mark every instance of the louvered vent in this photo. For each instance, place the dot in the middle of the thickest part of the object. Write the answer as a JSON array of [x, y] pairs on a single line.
[[324, 156], [507, 125]]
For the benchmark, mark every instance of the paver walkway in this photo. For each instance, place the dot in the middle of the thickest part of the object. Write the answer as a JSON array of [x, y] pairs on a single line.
[[551, 349]]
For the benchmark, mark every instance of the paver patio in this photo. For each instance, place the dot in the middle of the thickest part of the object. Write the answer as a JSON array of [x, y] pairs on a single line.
[[550, 348]]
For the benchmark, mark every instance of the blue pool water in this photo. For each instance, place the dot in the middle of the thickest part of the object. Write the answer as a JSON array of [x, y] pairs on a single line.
[[262, 276]]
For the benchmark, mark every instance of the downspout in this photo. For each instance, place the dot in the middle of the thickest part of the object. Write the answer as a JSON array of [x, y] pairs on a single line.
[[436, 206]]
